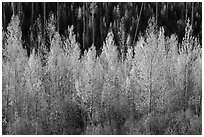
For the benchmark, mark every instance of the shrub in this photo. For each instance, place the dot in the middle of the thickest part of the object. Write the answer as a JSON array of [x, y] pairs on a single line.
[[75, 119], [21, 126]]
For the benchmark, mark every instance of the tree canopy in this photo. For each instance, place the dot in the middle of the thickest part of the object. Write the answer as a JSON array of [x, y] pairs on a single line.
[[92, 21]]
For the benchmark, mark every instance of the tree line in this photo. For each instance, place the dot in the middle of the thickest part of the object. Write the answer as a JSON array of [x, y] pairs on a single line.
[[93, 20]]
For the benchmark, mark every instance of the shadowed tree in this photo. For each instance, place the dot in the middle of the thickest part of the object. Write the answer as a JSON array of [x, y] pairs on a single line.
[[21, 126], [75, 119]]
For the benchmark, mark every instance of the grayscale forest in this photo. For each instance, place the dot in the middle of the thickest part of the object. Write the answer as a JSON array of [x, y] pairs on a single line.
[[101, 68]]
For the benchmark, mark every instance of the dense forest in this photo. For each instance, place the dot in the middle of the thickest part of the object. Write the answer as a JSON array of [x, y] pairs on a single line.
[[101, 68], [92, 21]]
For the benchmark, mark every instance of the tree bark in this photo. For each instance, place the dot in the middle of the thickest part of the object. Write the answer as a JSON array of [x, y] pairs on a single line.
[[192, 14], [44, 13], [31, 31], [72, 10], [19, 9], [93, 12], [138, 24], [157, 13], [186, 16], [87, 28], [4, 15], [13, 7], [84, 23], [101, 21], [32, 13], [58, 16]]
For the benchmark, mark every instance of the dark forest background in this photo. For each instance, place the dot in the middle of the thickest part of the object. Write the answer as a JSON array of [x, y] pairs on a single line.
[[92, 21]]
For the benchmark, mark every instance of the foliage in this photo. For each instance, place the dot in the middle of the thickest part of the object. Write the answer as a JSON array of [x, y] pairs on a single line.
[[155, 89], [15, 50]]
